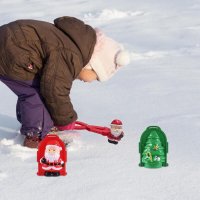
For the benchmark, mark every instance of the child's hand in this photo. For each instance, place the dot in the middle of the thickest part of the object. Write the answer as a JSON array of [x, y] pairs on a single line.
[[67, 127]]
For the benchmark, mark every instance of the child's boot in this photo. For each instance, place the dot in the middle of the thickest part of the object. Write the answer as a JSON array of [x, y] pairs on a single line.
[[32, 140]]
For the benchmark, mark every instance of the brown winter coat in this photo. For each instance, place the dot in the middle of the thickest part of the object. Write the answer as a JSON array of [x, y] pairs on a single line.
[[54, 52]]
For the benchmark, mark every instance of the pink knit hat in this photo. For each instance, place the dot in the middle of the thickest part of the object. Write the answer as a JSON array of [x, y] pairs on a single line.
[[108, 57]]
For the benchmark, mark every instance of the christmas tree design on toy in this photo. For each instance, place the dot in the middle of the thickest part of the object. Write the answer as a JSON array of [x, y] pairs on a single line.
[[153, 148]]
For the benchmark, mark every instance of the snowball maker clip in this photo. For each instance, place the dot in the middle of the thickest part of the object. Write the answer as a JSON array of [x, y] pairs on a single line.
[[114, 134], [51, 156], [153, 148]]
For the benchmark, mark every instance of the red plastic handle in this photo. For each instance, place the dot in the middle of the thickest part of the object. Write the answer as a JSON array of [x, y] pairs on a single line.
[[105, 131]]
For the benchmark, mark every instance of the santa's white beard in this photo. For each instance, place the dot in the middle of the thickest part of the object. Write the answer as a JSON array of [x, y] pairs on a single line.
[[52, 157], [116, 132]]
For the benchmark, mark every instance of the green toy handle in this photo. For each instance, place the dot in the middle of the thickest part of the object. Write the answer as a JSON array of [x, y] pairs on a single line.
[[150, 127]]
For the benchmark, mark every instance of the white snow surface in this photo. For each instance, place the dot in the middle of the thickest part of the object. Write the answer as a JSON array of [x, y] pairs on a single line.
[[160, 87]]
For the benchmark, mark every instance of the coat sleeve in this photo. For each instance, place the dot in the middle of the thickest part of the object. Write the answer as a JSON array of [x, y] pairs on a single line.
[[55, 85]]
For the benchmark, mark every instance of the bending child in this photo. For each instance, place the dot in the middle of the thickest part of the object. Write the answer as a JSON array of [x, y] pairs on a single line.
[[39, 62]]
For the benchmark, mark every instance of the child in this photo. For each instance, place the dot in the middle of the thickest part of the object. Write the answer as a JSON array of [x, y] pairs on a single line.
[[39, 62]]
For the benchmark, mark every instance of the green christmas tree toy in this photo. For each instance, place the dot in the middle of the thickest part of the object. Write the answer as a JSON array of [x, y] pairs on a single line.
[[153, 148]]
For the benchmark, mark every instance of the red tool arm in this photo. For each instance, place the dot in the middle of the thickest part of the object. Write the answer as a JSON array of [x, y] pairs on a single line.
[[97, 129]]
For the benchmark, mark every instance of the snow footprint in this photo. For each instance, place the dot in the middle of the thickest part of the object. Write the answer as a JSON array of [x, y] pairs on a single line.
[[14, 148]]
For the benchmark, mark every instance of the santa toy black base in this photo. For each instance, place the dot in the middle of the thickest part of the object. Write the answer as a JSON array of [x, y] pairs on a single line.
[[52, 174]]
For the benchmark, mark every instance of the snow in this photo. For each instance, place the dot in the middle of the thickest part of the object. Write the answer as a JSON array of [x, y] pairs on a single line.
[[160, 87]]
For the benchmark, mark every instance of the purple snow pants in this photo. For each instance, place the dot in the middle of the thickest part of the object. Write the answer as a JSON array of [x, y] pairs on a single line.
[[30, 109]]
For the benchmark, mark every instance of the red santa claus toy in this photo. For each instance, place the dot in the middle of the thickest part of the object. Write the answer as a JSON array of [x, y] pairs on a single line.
[[116, 131], [51, 157]]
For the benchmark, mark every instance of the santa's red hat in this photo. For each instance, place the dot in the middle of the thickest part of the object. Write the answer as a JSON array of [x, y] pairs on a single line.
[[116, 122]]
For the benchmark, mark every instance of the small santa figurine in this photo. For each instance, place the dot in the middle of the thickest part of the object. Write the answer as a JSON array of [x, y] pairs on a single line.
[[116, 131], [52, 162]]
